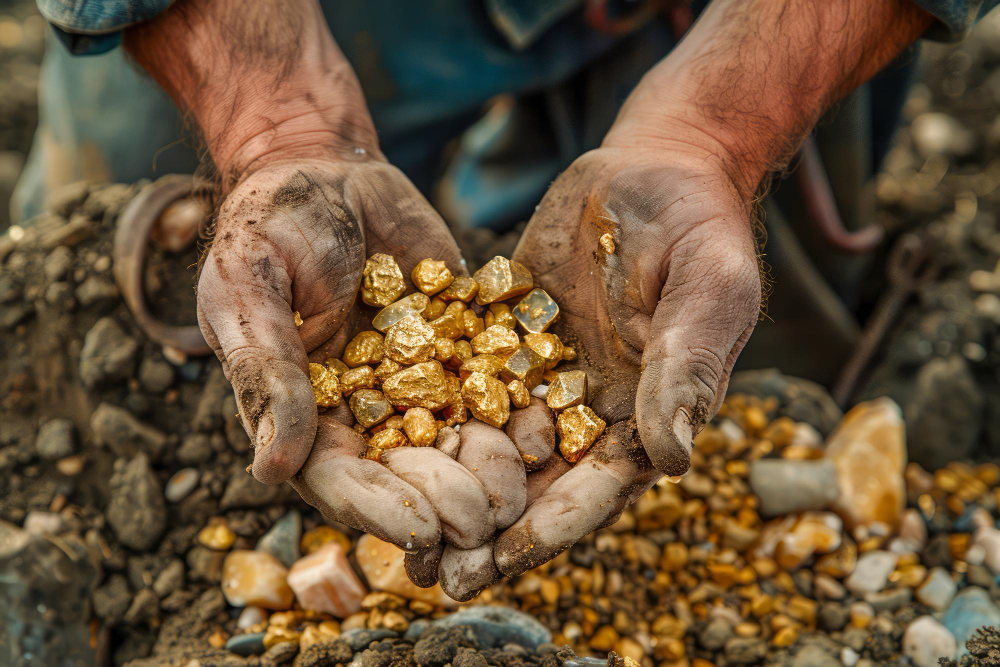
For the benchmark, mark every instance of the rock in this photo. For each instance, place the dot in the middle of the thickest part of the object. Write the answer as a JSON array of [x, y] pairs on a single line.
[[281, 653], [972, 608], [251, 643], [785, 486], [496, 626], [137, 512], [697, 484], [890, 600], [382, 565], [926, 640], [282, 541], [180, 484], [872, 572], [57, 263], [913, 529], [169, 579], [243, 491], [251, 616], [155, 375], [868, 449], [325, 581], [937, 553], [745, 650], [112, 599], [938, 589], [44, 592], [44, 523], [205, 564], [936, 133], [125, 435], [144, 610], [988, 538], [715, 634], [946, 406], [979, 575], [335, 652], [833, 616], [55, 440], [108, 354], [849, 656], [814, 656], [255, 578], [210, 604], [826, 587], [359, 639], [195, 448], [812, 533], [96, 291]]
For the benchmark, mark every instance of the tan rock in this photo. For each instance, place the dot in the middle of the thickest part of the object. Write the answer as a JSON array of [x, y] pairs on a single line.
[[325, 581], [255, 578], [382, 565]]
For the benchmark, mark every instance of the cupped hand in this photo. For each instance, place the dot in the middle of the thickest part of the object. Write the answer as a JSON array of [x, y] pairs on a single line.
[[294, 236], [657, 316]]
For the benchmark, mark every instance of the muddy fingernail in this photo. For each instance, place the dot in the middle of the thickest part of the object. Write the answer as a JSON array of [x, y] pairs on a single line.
[[681, 429], [265, 430]]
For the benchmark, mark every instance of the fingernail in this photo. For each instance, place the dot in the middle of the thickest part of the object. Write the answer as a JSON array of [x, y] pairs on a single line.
[[681, 429], [265, 430]]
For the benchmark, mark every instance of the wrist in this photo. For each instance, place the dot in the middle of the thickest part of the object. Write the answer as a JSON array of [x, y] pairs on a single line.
[[302, 122]]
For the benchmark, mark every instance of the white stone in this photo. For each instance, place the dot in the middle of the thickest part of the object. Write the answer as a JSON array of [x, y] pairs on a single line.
[[180, 484], [732, 431], [540, 391], [937, 590], [849, 656], [989, 539], [926, 640], [250, 617], [806, 435], [43, 523], [975, 555], [981, 518], [913, 529], [829, 588], [872, 572]]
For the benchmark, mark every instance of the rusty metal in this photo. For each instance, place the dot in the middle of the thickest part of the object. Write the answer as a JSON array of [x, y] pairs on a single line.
[[131, 248], [913, 263]]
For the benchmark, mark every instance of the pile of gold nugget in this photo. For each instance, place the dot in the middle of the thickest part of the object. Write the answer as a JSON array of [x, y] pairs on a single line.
[[434, 354]]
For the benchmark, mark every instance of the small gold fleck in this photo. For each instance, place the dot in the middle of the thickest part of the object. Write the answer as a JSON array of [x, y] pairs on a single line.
[[297, 318], [607, 242]]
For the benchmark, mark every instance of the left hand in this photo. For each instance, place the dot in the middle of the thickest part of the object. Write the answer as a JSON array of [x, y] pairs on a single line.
[[657, 324]]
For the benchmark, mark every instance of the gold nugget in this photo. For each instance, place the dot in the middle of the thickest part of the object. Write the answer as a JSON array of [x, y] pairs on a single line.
[[364, 349], [536, 312], [547, 345], [388, 438], [362, 377], [525, 365], [385, 369], [490, 364], [463, 289], [607, 243], [578, 428], [463, 351], [370, 407], [519, 394], [502, 315], [325, 386], [421, 385], [502, 278], [431, 277], [383, 281], [450, 324], [567, 390], [420, 427], [472, 325], [498, 340], [435, 308], [487, 398], [444, 349], [410, 340], [336, 365], [415, 304]]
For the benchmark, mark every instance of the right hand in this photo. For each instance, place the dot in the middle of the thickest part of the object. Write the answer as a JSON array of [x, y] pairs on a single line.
[[294, 236]]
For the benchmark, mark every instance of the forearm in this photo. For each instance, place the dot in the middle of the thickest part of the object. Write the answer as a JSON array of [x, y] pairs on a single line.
[[263, 80], [752, 77]]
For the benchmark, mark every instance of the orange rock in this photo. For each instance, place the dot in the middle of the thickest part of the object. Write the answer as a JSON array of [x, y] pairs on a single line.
[[813, 533], [325, 581], [868, 449], [255, 578], [382, 565]]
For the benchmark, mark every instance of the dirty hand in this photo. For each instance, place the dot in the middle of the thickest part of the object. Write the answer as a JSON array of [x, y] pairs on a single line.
[[659, 320]]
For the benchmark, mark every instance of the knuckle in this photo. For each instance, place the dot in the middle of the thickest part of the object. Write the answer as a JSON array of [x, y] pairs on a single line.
[[704, 367]]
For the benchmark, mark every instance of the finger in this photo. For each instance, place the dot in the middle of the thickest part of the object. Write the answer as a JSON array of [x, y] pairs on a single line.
[[460, 501], [275, 253], [490, 455], [362, 493], [707, 310], [613, 474], [465, 573], [533, 431], [422, 566], [540, 480]]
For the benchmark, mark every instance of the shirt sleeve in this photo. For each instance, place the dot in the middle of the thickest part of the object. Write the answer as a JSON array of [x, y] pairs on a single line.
[[955, 18], [89, 27]]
